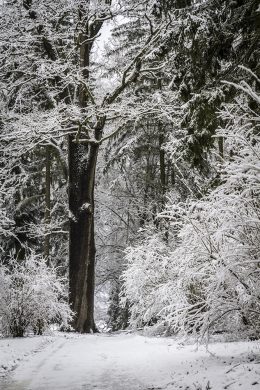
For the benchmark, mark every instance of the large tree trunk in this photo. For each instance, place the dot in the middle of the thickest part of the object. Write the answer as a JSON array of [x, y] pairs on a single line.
[[82, 170], [82, 167], [47, 216]]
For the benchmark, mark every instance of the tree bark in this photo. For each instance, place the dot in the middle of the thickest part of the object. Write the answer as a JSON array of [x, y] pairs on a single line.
[[162, 163], [47, 215], [82, 169], [221, 147]]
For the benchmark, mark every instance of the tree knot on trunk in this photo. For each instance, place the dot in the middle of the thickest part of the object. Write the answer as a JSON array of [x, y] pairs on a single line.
[[87, 208]]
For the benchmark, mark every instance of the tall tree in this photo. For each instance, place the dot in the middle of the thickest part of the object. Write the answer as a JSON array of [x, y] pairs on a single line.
[[48, 72], [83, 155], [82, 171]]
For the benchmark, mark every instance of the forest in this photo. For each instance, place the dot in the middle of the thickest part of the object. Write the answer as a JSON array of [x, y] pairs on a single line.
[[129, 194], [130, 167]]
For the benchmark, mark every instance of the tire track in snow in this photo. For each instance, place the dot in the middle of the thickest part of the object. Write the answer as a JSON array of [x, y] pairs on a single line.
[[10, 384], [131, 362]]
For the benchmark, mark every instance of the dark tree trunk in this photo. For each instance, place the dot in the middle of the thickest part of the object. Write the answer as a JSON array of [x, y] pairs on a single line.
[[82, 167], [162, 163], [221, 147], [47, 216]]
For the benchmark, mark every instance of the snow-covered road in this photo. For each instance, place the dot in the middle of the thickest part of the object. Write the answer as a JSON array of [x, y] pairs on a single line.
[[131, 362]]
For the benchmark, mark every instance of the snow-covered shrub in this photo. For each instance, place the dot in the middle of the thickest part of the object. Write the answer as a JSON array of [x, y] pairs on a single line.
[[211, 279], [147, 271], [32, 297]]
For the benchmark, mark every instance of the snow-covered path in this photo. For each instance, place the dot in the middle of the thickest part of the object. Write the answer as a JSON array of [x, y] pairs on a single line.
[[131, 362]]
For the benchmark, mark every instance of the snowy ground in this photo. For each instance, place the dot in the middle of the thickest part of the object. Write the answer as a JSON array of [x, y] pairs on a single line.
[[125, 362]]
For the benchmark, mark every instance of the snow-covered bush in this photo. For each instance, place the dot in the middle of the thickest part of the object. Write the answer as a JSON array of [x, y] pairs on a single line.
[[211, 279], [147, 271], [32, 297]]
